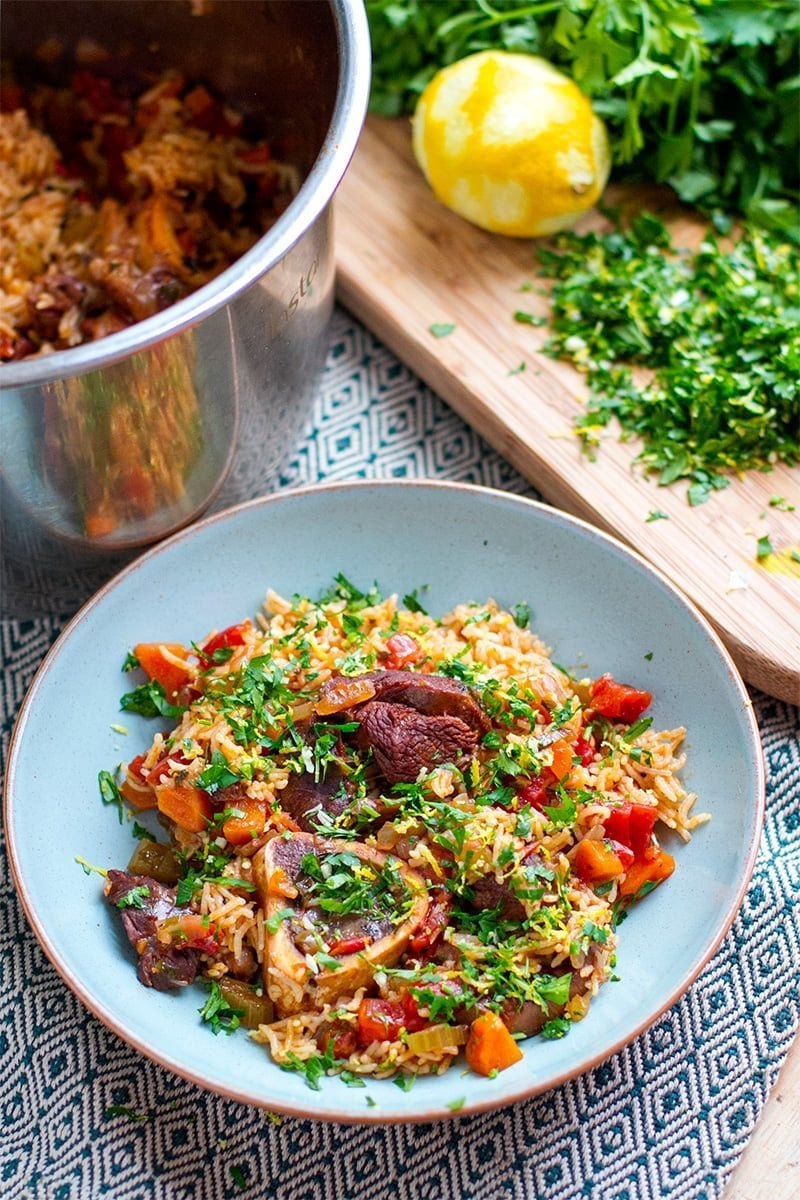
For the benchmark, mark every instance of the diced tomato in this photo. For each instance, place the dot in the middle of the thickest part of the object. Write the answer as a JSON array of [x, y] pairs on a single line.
[[618, 701], [345, 1043], [632, 824], [544, 713], [380, 1021], [596, 861], [234, 635], [413, 1020], [191, 930], [623, 853], [166, 662], [348, 946], [535, 794], [584, 751], [401, 650], [162, 768], [256, 156], [433, 924]]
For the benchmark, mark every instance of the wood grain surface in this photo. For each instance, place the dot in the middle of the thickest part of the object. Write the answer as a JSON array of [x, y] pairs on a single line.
[[405, 263], [769, 1169]]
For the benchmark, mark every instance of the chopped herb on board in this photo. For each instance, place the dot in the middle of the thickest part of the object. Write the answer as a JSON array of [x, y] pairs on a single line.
[[122, 1110], [781, 504], [656, 514], [718, 331], [526, 318], [764, 548], [440, 330]]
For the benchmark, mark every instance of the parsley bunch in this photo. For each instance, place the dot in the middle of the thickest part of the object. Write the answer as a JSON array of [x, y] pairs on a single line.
[[700, 94], [718, 331]]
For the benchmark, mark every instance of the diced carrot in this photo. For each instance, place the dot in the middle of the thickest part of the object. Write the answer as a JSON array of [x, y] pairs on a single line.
[[562, 759], [655, 866], [166, 662], [490, 1047], [595, 861], [240, 830], [279, 884], [99, 523], [137, 793], [187, 806]]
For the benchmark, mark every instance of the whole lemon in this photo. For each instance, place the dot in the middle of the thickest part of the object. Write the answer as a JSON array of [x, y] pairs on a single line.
[[510, 143]]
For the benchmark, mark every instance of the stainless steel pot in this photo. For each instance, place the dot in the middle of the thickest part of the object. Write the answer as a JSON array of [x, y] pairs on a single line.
[[234, 366]]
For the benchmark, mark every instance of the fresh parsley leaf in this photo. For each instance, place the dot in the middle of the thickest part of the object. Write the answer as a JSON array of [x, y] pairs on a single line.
[[134, 897], [765, 548], [518, 369], [440, 330], [110, 793], [404, 1082], [526, 318], [131, 662], [557, 1027], [150, 700], [521, 613], [457, 1105], [656, 514], [411, 601], [218, 1013], [122, 1110], [553, 989], [217, 774]]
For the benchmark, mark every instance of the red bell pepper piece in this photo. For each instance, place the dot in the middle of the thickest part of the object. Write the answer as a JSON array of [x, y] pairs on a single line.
[[348, 946], [433, 924], [534, 794], [584, 751], [632, 825], [226, 640], [618, 701]]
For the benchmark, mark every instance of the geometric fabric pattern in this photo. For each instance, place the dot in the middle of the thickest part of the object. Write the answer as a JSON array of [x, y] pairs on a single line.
[[667, 1117]]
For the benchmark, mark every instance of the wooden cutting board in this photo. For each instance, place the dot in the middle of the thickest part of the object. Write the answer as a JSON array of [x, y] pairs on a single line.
[[405, 263]]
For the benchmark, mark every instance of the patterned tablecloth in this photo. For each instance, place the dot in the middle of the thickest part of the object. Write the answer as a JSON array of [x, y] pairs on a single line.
[[667, 1117]]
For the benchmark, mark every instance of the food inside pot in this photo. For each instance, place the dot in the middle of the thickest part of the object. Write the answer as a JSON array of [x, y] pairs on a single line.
[[119, 200]]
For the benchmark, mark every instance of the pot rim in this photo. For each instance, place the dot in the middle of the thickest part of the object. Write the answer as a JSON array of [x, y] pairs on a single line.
[[316, 192]]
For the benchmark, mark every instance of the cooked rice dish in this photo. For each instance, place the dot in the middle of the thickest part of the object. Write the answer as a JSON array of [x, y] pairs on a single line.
[[391, 836], [114, 206]]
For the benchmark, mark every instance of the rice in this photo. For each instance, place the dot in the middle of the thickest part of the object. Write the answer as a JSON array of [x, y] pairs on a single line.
[[458, 828], [112, 208]]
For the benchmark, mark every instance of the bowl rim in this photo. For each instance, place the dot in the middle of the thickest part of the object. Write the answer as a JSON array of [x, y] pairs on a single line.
[[113, 1021], [316, 192]]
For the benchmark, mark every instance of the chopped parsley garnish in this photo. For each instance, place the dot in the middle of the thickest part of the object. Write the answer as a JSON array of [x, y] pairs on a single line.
[[312, 1068], [522, 614], [457, 1105], [273, 923], [724, 391], [518, 369], [553, 989], [88, 868], [239, 1178], [526, 318], [764, 548], [218, 1013], [412, 603], [131, 662], [110, 793], [122, 1110], [656, 514], [404, 1082], [781, 504], [441, 329], [134, 897], [217, 774], [150, 700], [557, 1027], [343, 883]]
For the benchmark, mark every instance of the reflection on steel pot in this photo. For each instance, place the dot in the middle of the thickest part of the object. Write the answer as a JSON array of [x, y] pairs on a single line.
[[115, 443]]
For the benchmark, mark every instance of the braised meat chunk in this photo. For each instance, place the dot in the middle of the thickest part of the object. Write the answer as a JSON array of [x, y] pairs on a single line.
[[143, 904]]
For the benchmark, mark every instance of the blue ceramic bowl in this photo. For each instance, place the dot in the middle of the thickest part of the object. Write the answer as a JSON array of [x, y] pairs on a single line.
[[600, 608]]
